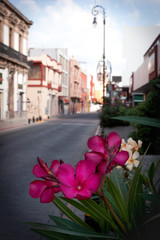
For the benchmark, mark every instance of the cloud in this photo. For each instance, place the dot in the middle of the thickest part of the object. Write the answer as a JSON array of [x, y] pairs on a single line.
[[29, 5], [66, 24], [135, 14]]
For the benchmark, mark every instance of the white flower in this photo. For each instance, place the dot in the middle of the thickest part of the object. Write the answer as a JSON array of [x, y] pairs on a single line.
[[131, 162], [125, 146], [134, 146]]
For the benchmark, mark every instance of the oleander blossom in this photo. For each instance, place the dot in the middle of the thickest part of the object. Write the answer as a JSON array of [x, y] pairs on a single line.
[[80, 183], [46, 188], [131, 145], [132, 161], [106, 152]]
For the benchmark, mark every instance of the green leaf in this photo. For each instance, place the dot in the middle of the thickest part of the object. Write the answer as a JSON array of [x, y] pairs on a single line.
[[84, 208], [153, 218], [68, 233], [51, 235], [118, 180], [153, 169], [96, 209], [155, 199], [118, 200], [135, 203], [69, 213], [68, 224], [153, 122]]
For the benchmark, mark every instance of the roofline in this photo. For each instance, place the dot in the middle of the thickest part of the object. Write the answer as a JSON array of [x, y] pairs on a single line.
[[17, 12], [152, 45]]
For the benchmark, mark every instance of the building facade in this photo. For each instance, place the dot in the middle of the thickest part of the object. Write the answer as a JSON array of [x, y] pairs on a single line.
[[84, 104], [148, 70], [74, 86], [61, 56], [13, 62], [44, 87]]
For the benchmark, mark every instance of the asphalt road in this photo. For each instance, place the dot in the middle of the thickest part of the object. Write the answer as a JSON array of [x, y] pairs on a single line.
[[62, 138]]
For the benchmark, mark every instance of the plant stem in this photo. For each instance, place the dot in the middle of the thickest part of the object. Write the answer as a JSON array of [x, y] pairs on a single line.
[[113, 212], [103, 181]]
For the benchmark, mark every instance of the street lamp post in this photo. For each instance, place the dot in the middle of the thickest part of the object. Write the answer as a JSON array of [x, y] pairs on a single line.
[[96, 10]]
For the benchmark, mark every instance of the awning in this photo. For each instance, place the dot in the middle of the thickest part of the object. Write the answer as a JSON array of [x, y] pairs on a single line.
[[63, 99]]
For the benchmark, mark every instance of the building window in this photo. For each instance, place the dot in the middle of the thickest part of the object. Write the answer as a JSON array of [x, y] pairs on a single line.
[[10, 37], [151, 63], [44, 73], [6, 35], [16, 41], [35, 72], [24, 46], [1, 78], [20, 43]]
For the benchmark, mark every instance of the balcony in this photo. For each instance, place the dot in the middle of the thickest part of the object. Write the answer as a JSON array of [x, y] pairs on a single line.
[[75, 94], [13, 54]]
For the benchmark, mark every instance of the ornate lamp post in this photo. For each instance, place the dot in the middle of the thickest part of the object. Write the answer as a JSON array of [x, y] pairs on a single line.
[[95, 11]]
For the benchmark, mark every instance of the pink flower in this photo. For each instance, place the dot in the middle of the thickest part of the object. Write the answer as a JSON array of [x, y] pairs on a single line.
[[82, 182], [46, 188], [106, 152]]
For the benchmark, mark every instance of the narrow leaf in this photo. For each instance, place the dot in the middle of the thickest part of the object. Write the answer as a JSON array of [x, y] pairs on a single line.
[[69, 213], [153, 122], [118, 200], [74, 233], [68, 224], [118, 180]]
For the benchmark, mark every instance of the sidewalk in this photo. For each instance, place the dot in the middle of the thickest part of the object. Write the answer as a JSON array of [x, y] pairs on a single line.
[[12, 125], [123, 131]]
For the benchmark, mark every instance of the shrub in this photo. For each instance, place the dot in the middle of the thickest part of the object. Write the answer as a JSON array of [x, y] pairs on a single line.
[[111, 110], [149, 108]]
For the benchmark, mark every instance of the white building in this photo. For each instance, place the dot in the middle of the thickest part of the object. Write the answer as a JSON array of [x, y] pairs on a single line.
[[13, 62], [61, 56], [148, 70], [136, 39], [44, 87]]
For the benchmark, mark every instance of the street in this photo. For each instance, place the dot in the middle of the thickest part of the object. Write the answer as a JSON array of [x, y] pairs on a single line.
[[62, 138]]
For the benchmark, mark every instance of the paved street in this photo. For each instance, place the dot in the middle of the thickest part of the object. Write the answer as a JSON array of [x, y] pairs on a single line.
[[62, 138]]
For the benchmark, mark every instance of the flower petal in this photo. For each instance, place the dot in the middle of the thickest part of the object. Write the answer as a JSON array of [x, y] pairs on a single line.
[[135, 155], [38, 171], [97, 144], [83, 194], [136, 163], [56, 189], [129, 166], [47, 195], [54, 166], [114, 140], [36, 188], [68, 192], [84, 169], [94, 156], [102, 166], [121, 158], [93, 182], [65, 174]]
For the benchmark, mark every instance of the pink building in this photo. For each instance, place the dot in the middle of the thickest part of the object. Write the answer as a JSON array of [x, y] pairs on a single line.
[[92, 89], [44, 87], [84, 105], [74, 86]]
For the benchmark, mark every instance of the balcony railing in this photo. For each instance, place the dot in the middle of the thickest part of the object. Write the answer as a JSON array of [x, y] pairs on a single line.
[[10, 52]]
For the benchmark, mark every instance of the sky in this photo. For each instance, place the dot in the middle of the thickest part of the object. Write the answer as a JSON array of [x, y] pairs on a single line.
[[68, 24]]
